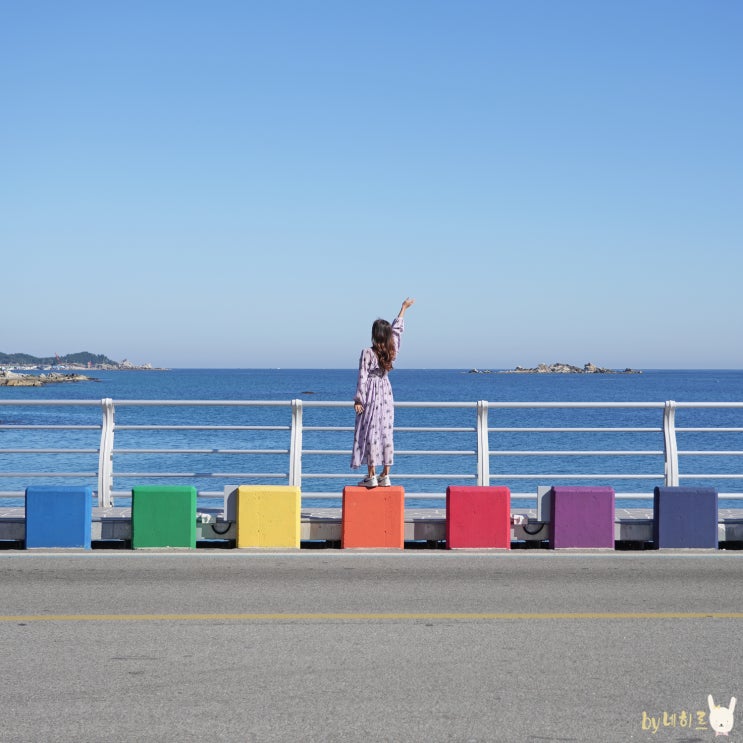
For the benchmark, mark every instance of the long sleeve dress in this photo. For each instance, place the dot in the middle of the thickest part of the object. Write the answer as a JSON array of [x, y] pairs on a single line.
[[372, 439]]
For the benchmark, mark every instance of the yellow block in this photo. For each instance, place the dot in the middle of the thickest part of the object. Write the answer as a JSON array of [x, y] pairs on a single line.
[[268, 516]]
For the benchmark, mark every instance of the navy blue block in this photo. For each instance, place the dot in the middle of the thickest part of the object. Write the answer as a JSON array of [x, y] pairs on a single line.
[[58, 516], [685, 517]]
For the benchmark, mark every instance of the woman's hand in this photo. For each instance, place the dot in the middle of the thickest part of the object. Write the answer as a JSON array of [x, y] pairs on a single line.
[[407, 303], [358, 407]]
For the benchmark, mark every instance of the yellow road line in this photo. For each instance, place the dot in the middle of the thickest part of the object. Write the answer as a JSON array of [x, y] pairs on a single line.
[[364, 616]]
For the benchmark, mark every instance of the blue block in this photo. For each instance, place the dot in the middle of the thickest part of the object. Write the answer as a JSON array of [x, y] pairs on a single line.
[[58, 516], [685, 517]]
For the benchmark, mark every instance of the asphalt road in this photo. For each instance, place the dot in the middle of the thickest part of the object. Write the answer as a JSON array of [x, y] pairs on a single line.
[[355, 646]]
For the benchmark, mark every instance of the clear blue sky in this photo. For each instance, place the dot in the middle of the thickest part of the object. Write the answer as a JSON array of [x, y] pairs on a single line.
[[231, 183]]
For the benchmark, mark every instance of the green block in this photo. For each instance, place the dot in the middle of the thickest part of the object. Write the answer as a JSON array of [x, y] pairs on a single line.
[[163, 516]]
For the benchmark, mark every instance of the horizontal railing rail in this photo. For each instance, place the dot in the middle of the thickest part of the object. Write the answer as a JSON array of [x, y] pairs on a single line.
[[533, 442]]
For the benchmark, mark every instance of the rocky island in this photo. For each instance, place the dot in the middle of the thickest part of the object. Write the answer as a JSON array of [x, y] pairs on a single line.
[[13, 379], [558, 368]]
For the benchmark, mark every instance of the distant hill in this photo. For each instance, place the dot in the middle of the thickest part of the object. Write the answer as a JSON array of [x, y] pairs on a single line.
[[82, 358]]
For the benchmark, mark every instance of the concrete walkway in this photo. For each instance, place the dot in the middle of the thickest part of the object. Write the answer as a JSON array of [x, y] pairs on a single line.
[[318, 524]]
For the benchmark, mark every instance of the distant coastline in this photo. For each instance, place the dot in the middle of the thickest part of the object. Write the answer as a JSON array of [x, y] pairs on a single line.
[[82, 360]]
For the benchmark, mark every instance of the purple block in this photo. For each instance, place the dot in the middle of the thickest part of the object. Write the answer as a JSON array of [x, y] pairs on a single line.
[[685, 517], [582, 517]]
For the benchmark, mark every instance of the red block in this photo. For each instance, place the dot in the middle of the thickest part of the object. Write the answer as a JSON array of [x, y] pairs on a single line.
[[478, 517], [373, 517]]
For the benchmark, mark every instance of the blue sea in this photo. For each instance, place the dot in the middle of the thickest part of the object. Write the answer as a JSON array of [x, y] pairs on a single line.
[[454, 465]]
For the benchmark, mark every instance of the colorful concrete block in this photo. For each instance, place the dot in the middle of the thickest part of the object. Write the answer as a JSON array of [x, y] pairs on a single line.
[[373, 518], [268, 516], [582, 517], [58, 516], [163, 516], [685, 517], [478, 517]]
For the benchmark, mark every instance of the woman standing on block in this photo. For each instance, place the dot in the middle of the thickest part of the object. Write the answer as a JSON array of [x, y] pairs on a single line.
[[373, 403]]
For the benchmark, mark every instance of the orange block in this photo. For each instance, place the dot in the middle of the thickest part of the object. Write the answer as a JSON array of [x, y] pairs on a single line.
[[373, 517]]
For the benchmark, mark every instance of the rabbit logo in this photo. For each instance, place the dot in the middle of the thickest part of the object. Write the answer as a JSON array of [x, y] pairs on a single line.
[[721, 718]]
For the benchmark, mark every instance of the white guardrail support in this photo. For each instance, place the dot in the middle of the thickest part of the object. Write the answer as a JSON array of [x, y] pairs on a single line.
[[295, 446], [671, 454], [483, 446], [105, 455]]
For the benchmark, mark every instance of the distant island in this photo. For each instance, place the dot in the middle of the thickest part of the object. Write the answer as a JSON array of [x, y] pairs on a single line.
[[558, 368], [54, 368]]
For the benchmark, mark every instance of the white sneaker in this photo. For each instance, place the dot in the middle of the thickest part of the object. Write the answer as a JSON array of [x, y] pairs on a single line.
[[384, 481], [369, 482]]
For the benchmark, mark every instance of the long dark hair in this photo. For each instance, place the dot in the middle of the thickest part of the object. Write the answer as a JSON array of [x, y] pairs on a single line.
[[383, 343]]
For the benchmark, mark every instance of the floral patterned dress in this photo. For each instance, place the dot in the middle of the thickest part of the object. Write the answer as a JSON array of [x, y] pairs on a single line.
[[372, 439]]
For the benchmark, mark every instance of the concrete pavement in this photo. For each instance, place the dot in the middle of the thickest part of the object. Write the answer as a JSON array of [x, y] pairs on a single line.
[[414, 646]]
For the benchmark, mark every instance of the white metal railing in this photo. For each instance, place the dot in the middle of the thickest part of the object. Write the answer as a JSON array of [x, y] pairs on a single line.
[[483, 462]]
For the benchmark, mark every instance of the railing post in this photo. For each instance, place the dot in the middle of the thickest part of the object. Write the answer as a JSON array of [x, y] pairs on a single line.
[[295, 447], [483, 446], [670, 448], [105, 455]]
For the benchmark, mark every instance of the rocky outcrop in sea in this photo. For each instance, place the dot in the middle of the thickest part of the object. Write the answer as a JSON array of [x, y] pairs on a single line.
[[558, 368], [13, 379]]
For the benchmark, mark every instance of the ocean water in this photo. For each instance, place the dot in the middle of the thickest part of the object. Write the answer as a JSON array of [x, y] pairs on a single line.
[[409, 385]]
